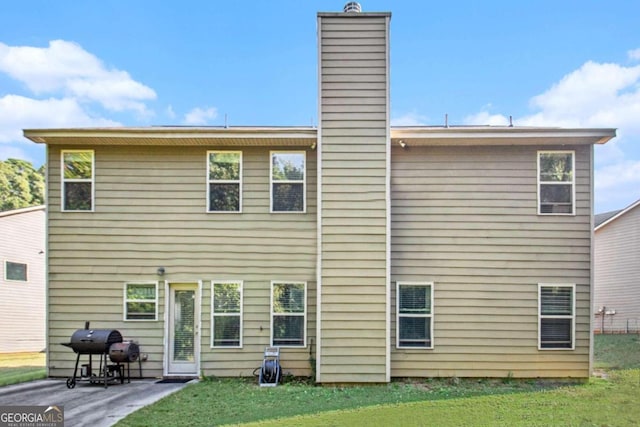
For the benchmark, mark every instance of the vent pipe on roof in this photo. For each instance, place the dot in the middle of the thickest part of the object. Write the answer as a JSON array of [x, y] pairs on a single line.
[[352, 7]]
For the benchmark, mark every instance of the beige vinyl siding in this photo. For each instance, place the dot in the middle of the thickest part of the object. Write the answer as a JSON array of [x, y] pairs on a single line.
[[150, 212], [22, 303], [617, 273], [466, 219], [354, 132]]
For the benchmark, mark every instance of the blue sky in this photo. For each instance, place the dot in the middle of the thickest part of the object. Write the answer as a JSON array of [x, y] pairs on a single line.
[[139, 63]]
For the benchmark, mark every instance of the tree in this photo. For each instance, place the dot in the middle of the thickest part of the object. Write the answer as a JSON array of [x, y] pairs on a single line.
[[21, 185]]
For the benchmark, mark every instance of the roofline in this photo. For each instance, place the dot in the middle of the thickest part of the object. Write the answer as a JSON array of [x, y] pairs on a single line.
[[589, 135], [22, 210], [160, 132], [618, 215], [413, 135]]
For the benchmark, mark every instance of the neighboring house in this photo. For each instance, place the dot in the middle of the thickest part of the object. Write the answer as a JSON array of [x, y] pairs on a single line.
[[22, 280], [378, 252], [617, 270]]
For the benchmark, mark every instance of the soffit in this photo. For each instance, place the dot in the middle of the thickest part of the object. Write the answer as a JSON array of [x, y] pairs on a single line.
[[298, 137], [493, 135]]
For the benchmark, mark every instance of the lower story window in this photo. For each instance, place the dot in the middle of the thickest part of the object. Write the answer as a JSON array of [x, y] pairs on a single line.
[[288, 314], [226, 309], [556, 317], [15, 271], [414, 315], [141, 301]]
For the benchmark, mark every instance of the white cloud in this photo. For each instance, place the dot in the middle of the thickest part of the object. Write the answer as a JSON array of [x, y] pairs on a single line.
[[634, 54], [65, 68], [484, 118], [200, 116], [621, 173], [13, 152], [595, 95], [409, 119], [19, 112], [169, 112]]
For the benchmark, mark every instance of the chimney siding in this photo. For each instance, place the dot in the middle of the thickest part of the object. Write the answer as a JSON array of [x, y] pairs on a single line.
[[353, 220]]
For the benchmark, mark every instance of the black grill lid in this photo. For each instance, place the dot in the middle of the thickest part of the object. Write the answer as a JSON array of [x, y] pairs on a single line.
[[93, 341]]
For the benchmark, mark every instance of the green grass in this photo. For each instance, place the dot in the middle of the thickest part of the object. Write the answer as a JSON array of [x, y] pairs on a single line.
[[612, 402], [617, 351], [229, 401], [442, 402], [21, 367]]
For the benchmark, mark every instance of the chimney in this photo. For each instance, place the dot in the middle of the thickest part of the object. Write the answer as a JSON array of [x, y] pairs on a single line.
[[353, 318]]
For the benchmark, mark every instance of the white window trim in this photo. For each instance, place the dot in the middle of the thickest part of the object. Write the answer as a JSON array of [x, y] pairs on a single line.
[[398, 284], [124, 304], [239, 314], [223, 181], [304, 339], [573, 181], [15, 262], [572, 316], [303, 181], [63, 180]]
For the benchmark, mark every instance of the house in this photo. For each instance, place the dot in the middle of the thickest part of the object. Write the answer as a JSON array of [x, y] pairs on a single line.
[[617, 270], [363, 251], [22, 280]]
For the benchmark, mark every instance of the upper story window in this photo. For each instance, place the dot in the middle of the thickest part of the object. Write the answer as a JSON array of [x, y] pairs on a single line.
[[224, 178], [556, 182], [414, 315], [226, 314], [141, 301], [556, 317], [288, 181], [77, 180], [15, 271]]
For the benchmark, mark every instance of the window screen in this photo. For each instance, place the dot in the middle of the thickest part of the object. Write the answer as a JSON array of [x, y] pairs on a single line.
[[414, 315]]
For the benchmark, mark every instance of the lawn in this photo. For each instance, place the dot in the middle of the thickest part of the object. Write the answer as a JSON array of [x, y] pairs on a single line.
[[600, 402], [20, 367], [617, 351]]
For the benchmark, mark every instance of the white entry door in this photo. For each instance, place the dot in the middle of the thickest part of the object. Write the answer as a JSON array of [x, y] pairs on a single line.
[[183, 329]]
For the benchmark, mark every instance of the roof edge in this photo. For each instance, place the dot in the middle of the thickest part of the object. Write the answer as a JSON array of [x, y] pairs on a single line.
[[619, 214], [23, 210]]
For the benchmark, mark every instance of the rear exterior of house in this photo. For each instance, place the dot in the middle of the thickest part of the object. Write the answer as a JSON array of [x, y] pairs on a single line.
[[617, 271], [22, 280], [364, 252]]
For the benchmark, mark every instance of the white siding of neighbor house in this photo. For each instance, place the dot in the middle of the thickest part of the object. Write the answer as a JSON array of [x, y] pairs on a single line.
[[22, 304], [354, 137], [617, 273], [150, 212], [465, 218]]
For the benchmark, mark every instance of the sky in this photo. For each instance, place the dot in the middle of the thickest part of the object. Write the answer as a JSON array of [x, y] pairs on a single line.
[[254, 62]]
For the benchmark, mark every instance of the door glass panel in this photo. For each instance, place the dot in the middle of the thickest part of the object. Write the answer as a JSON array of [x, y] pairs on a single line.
[[184, 320]]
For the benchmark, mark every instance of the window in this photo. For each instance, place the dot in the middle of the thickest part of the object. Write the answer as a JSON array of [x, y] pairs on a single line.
[[224, 177], [77, 180], [556, 182], [288, 176], [15, 271], [288, 314], [556, 317], [226, 309], [414, 323], [141, 301]]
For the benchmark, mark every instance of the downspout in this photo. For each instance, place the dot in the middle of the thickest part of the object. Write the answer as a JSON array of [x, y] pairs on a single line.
[[591, 260], [388, 214]]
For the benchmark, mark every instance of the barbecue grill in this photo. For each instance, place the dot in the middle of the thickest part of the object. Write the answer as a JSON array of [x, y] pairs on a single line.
[[105, 343]]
